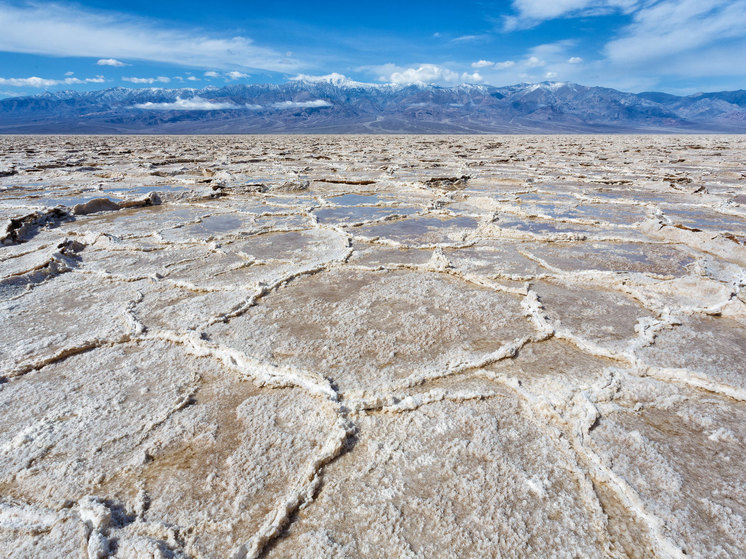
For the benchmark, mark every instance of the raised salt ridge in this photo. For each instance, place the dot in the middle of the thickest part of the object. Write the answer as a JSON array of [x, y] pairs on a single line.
[[373, 347]]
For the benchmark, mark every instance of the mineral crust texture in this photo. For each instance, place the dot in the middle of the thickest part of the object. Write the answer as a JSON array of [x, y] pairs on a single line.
[[373, 347]]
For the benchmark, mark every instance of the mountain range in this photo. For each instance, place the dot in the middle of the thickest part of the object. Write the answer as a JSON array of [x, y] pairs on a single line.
[[344, 106]]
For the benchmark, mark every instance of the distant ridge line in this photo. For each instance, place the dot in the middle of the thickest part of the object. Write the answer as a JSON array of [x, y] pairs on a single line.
[[339, 106]]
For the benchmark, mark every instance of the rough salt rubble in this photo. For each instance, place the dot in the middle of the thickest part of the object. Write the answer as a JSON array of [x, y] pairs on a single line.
[[373, 346]]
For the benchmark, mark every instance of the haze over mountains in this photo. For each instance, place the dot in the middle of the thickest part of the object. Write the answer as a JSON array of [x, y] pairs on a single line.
[[343, 106]]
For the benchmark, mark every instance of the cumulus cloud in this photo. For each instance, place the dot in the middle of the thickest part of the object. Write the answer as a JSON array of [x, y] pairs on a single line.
[[111, 62], [482, 64], [574, 60], [67, 30], [35, 81], [316, 103], [235, 75], [424, 74], [192, 79], [550, 75], [159, 79], [211, 74], [192, 104], [471, 78]]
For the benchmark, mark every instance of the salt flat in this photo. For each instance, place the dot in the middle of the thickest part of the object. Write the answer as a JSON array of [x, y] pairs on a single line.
[[373, 346]]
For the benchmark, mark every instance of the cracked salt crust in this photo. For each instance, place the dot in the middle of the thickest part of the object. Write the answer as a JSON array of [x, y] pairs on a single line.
[[373, 347]]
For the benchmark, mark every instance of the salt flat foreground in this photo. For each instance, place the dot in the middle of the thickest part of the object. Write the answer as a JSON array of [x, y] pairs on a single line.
[[373, 347]]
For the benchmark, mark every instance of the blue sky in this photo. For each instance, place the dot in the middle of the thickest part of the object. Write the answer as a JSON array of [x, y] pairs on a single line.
[[679, 46]]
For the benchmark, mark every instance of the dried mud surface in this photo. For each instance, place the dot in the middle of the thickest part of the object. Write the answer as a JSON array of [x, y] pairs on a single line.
[[356, 346]]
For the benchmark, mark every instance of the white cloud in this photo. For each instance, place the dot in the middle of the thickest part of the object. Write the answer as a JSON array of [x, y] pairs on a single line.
[[424, 74], [69, 73], [671, 27], [317, 103], [193, 104], [471, 78], [532, 12], [683, 39], [232, 75], [555, 49], [33, 81], [722, 61], [482, 64], [160, 79], [533, 65], [36, 81], [504, 65], [547, 61], [111, 62], [65, 30], [192, 79], [463, 38], [545, 55], [534, 62]]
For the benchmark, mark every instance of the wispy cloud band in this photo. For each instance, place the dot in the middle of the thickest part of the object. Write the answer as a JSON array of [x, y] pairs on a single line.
[[61, 30], [193, 104], [315, 104], [35, 81], [198, 103]]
